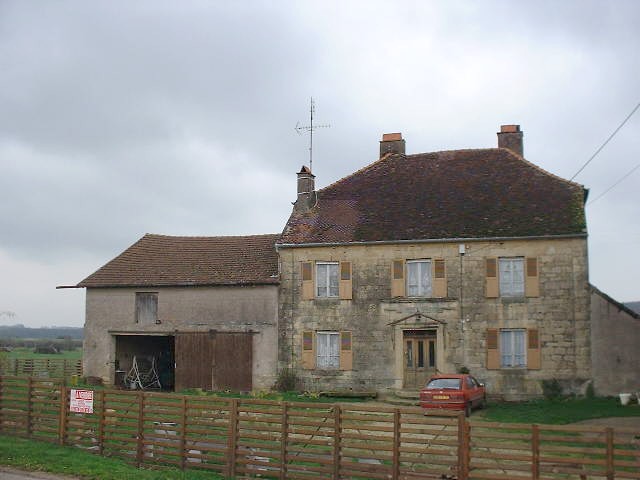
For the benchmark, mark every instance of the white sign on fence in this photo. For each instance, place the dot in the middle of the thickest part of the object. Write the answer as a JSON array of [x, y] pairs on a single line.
[[81, 401]]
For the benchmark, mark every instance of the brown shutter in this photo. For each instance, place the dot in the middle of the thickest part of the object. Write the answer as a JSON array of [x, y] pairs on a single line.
[[439, 279], [491, 278], [346, 287], [533, 349], [307, 281], [493, 350], [346, 352], [397, 278], [531, 282], [308, 350]]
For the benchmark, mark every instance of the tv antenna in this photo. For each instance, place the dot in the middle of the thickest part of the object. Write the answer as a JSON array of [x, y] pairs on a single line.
[[310, 128]]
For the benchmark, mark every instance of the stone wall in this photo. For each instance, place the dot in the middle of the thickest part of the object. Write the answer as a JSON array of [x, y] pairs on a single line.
[[560, 314], [238, 308], [615, 337]]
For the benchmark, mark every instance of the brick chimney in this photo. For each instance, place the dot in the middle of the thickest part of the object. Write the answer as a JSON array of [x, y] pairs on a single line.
[[510, 137], [392, 143], [306, 190]]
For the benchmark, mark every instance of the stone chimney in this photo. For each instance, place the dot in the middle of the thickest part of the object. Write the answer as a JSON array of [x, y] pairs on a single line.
[[306, 190], [510, 137], [392, 143]]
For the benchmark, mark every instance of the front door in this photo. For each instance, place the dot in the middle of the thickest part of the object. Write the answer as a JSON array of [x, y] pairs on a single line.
[[419, 357]]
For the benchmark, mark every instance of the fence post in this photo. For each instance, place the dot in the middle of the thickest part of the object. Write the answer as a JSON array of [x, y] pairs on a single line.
[[396, 445], [464, 445], [233, 432], [101, 423], [535, 452], [183, 433], [140, 444], [29, 406], [62, 427], [1, 401], [610, 467], [284, 434], [337, 433]]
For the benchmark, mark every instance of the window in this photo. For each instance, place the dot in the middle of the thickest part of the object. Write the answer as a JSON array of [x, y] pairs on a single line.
[[418, 278], [327, 279], [512, 348], [328, 350], [511, 277], [147, 308]]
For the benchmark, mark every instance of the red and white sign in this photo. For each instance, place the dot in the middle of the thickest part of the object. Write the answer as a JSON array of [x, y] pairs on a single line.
[[81, 401]]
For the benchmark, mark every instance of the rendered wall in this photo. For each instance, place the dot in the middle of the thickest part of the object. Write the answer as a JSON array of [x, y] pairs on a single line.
[[615, 337], [246, 308]]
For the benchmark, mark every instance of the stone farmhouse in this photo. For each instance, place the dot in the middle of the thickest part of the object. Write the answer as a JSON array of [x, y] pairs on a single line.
[[426, 263], [413, 265]]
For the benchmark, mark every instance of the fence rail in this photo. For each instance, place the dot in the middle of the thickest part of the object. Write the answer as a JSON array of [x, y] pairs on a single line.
[[304, 441], [40, 367]]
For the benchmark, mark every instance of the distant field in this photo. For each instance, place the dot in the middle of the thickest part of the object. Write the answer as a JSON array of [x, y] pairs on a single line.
[[23, 352]]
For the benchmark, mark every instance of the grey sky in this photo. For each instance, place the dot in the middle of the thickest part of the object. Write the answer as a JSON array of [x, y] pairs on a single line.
[[119, 118]]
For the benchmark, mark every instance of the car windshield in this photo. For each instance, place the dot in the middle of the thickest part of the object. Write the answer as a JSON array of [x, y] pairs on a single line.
[[436, 383]]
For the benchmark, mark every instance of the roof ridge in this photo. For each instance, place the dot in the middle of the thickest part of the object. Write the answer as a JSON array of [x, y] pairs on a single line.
[[196, 237]]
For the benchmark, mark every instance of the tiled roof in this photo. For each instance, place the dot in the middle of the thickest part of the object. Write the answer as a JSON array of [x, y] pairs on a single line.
[[488, 193], [159, 260]]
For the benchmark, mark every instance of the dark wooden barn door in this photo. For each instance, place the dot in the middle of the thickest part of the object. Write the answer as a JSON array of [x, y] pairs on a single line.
[[233, 361], [214, 361], [194, 355]]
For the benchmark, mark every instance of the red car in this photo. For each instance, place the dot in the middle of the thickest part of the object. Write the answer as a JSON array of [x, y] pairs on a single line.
[[455, 392]]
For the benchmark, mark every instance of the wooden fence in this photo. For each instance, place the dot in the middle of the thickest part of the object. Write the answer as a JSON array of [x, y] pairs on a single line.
[[285, 440], [40, 367]]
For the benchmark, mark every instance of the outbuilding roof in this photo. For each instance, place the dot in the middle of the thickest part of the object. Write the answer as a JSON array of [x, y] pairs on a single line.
[[160, 260], [483, 193]]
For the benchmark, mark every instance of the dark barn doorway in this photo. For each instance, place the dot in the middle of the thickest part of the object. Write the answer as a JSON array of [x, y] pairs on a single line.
[[159, 348]]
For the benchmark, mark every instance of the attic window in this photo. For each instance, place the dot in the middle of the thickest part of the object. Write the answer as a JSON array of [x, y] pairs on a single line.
[[147, 308]]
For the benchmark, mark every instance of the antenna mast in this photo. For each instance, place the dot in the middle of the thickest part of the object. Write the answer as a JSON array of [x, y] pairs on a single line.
[[310, 128]]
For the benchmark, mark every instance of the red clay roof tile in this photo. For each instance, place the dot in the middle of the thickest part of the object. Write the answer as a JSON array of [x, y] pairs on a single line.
[[160, 260], [488, 193]]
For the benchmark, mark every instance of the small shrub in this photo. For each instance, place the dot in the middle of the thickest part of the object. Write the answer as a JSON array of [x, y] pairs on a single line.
[[287, 380], [551, 389], [463, 369], [590, 393]]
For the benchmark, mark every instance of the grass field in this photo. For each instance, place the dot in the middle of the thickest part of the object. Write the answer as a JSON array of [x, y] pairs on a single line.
[[46, 457], [558, 412], [23, 352]]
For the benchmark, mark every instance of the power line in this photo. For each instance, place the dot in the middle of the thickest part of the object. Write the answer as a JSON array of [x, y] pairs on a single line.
[[615, 184], [606, 141]]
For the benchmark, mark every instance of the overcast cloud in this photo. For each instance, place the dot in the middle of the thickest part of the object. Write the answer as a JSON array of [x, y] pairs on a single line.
[[119, 118]]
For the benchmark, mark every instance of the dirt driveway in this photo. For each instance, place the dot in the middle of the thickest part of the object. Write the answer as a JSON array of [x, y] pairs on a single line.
[[8, 473]]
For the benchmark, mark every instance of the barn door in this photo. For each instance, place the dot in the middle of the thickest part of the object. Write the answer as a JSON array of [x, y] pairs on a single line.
[[233, 361], [194, 355]]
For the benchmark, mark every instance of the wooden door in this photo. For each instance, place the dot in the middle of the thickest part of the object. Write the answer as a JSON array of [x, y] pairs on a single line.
[[419, 358], [233, 362], [194, 355]]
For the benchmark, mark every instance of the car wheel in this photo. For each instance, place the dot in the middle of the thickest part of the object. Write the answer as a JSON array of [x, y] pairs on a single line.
[[483, 403], [467, 410]]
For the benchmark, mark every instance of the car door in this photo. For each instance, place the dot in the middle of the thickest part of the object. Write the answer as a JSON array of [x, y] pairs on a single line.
[[474, 391]]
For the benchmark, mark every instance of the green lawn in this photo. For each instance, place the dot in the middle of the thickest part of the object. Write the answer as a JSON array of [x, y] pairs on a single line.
[[558, 412], [47, 457], [23, 352]]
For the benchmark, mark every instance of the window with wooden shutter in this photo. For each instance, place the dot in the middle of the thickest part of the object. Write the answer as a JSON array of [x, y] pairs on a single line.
[[532, 283], [439, 278], [491, 278], [533, 349], [346, 286], [346, 352], [397, 278], [493, 352], [308, 350], [307, 281]]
